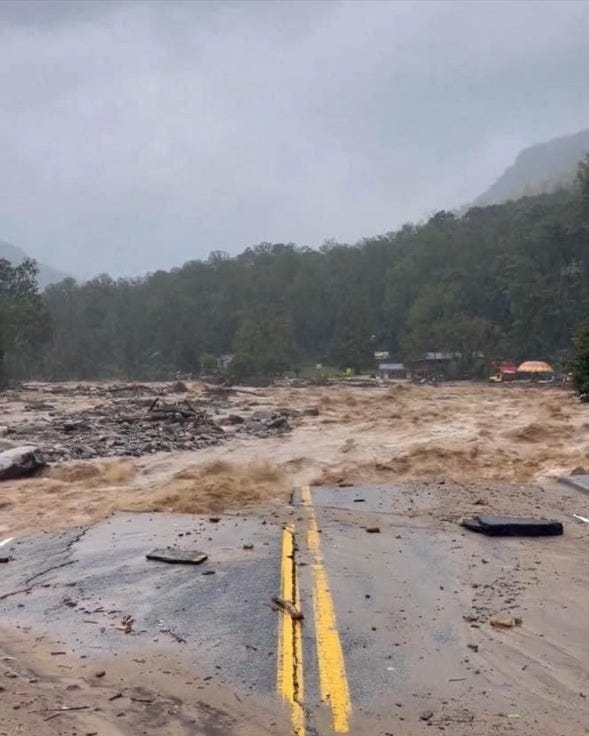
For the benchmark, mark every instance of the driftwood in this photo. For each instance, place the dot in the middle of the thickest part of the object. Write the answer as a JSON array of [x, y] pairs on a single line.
[[289, 608]]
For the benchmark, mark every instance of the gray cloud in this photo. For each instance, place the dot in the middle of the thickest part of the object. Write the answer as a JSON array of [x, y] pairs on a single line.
[[137, 135]]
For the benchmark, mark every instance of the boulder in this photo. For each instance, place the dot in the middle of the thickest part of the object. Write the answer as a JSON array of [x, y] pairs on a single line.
[[19, 462]]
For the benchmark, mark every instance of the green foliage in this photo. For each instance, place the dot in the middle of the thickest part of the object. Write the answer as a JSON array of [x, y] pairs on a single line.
[[508, 281], [583, 181], [208, 364], [580, 363], [352, 345], [24, 320], [262, 348]]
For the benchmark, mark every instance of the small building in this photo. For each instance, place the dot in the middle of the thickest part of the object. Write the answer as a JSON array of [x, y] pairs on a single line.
[[224, 361], [392, 370], [433, 366]]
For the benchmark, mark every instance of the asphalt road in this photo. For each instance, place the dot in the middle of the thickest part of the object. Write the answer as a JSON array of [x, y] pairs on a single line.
[[382, 616]]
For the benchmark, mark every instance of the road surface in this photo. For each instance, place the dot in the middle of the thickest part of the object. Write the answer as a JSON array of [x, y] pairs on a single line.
[[382, 646]]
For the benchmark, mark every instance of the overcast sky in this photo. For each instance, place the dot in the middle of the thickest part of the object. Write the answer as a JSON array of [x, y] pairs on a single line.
[[139, 135]]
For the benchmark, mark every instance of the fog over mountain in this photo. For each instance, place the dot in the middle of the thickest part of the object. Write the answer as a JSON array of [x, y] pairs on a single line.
[[47, 275], [542, 168], [139, 135]]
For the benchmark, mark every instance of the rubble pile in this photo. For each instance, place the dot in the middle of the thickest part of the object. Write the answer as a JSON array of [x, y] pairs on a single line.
[[135, 420]]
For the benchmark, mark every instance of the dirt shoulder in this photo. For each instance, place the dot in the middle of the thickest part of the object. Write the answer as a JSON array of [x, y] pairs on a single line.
[[44, 691]]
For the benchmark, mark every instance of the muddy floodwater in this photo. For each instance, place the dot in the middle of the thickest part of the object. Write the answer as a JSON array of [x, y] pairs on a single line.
[[327, 435], [418, 458]]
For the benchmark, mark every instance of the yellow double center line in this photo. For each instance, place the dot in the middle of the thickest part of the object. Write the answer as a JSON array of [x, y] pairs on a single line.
[[333, 681], [289, 682]]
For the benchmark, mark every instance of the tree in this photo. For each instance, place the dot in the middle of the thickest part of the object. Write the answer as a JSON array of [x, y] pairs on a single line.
[[24, 319], [262, 348], [208, 364], [352, 346], [580, 363], [507, 280]]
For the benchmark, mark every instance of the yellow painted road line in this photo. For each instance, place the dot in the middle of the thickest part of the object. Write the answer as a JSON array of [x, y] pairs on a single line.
[[289, 678], [333, 680]]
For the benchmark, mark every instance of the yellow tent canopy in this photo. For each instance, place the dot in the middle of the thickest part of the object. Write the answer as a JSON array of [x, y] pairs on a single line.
[[535, 366]]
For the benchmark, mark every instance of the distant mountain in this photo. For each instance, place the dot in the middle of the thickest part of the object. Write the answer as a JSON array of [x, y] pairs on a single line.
[[542, 168], [47, 275]]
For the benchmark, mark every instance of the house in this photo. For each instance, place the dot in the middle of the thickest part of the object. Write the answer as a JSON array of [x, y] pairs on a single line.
[[224, 361], [432, 365], [392, 370]]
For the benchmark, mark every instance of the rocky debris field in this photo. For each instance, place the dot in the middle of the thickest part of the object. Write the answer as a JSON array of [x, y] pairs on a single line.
[[137, 419]]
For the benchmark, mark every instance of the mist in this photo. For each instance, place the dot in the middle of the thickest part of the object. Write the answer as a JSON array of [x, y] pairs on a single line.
[[139, 135]]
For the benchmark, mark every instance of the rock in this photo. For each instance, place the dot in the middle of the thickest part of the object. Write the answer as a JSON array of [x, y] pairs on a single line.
[[501, 622], [278, 422], [39, 406], [180, 387], [427, 715], [235, 419], [20, 462]]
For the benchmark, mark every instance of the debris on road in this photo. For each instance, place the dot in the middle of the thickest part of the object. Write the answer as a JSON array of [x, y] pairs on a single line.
[[174, 635], [177, 556], [64, 709], [126, 624], [19, 462], [506, 526], [373, 530], [289, 608], [501, 622], [581, 518]]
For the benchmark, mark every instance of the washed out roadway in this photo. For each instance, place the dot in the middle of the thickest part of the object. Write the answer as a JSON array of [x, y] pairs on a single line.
[[382, 639]]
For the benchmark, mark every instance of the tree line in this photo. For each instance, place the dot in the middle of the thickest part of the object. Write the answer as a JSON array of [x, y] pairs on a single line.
[[508, 281]]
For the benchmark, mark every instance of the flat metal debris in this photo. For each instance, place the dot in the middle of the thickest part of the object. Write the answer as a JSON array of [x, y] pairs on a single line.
[[506, 526], [176, 556]]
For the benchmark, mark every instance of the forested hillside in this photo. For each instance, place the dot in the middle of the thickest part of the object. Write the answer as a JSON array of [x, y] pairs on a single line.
[[502, 281]]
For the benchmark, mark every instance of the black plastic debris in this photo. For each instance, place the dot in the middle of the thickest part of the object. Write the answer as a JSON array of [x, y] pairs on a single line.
[[177, 556], [507, 526]]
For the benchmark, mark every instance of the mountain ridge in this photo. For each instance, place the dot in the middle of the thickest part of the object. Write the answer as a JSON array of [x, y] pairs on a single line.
[[47, 274], [539, 169]]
